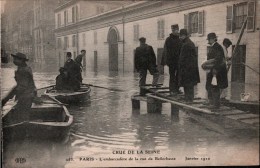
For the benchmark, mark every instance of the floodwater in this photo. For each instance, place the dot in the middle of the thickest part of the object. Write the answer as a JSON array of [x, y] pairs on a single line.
[[106, 133]]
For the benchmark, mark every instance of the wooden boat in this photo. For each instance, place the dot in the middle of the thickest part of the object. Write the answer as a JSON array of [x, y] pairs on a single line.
[[69, 97], [243, 105], [48, 120]]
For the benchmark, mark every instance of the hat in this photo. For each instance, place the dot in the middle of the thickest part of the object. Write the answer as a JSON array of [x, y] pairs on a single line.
[[211, 36], [69, 54], [227, 41], [20, 56], [175, 26], [142, 39], [184, 32]]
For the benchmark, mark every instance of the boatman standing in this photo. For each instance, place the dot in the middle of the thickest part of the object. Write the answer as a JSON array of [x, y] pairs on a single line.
[[78, 61], [25, 89], [145, 59]]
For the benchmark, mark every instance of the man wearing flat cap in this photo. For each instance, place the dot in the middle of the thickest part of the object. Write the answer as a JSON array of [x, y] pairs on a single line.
[[25, 89], [218, 71], [188, 66], [171, 52], [145, 59]]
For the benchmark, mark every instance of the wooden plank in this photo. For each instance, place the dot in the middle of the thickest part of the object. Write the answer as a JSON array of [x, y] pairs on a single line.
[[252, 121], [181, 104], [138, 97], [207, 123], [232, 112], [242, 116]]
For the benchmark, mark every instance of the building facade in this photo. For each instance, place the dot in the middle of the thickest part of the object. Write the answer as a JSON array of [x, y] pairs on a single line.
[[111, 37], [29, 28]]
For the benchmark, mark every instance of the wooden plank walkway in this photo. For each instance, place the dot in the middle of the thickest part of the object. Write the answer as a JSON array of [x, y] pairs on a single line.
[[221, 119]]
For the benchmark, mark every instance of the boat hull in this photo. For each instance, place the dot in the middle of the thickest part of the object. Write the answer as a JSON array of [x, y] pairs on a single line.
[[47, 121], [69, 97]]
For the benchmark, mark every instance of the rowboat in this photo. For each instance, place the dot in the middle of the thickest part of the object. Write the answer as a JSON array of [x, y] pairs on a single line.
[[252, 106], [48, 120], [69, 97]]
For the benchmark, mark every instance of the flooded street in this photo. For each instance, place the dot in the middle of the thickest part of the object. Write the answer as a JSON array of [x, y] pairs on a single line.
[[105, 129]]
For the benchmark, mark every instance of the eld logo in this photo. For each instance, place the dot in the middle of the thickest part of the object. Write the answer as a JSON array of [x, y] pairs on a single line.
[[20, 160]]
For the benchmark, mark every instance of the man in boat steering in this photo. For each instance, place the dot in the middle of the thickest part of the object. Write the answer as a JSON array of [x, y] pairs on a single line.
[[25, 89], [78, 61], [72, 71]]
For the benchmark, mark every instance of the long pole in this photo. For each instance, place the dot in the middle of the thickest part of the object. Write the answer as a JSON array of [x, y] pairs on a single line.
[[123, 39], [238, 41]]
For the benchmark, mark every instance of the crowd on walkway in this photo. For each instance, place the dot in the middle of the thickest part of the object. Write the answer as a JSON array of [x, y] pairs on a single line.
[[180, 55]]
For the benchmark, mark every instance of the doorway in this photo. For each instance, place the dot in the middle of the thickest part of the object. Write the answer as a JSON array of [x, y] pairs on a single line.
[[113, 49]]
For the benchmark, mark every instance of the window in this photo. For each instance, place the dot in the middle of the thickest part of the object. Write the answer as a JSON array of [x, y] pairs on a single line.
[[65, 17], [74, 41], [136, 32], [194, 22], [74, 14], [66, 43], [84, 39], [160, 26], [95, 61], [237, 14], [59, 20], [240, 14], [100, 9], [95, 37], [58, 43]]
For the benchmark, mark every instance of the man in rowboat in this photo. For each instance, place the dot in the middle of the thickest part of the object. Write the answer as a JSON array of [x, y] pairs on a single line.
[[25, 89], [78, 61], [72, 70]]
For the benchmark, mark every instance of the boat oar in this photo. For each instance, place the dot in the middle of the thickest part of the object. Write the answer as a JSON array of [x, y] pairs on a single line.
[[112, 89], [45, 87]]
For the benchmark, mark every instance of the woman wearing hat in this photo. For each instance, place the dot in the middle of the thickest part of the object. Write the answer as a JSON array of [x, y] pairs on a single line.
[[25, 89]]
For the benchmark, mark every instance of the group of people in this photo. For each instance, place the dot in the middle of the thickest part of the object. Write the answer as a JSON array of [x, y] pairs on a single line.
[[180, 55], [70, 77]]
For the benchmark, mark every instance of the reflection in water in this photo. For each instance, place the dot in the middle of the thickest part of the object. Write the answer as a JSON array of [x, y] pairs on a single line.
[[106, 123]]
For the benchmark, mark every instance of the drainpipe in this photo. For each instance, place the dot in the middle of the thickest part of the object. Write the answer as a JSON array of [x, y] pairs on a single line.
[[123, 39]]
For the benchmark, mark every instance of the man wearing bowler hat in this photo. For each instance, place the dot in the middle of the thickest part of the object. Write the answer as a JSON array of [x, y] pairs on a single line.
[[25, 89], [171, 52], [188, 66], [218, 71], [145, 59]]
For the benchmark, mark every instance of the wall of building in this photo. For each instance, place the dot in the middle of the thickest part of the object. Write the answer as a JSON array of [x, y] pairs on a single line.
[[214, 21]]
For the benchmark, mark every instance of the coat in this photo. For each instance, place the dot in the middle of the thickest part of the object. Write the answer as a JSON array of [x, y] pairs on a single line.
[[188, 64], [171, 50], [73, 71], [216, 52], [145, 58]]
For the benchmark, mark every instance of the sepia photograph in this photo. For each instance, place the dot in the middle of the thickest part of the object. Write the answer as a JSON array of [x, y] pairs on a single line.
[[129, 83]]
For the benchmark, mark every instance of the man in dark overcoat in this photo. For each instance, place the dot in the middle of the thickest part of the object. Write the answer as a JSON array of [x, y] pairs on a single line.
[[24, 91], [72, 71], [188, 66], [78, 61], [145, 59], [171, 52], [216, 53]]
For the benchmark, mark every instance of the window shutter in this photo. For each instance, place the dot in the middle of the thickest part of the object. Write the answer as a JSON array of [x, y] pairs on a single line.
[[229, 26], [186, 22], [137, 32], [251, 16], [162, 29], [201, 23]]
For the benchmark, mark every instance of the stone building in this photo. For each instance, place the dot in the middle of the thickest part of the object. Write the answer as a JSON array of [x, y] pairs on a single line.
[[29, 28], [111, 37]]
